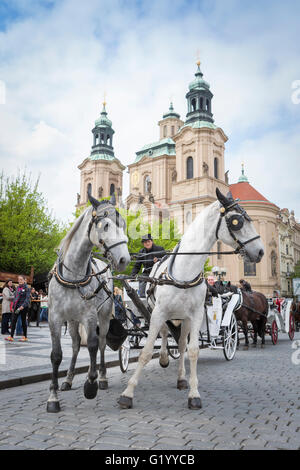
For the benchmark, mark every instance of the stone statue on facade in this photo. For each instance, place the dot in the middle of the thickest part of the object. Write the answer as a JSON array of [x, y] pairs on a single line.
[[100, 192], [273, 264], [151, 198], [174, 175], [78, 198], [141, 198], [205, 168]]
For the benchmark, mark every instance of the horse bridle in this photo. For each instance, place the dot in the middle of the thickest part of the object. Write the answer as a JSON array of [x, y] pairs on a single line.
[[107, 212], [234, 223]]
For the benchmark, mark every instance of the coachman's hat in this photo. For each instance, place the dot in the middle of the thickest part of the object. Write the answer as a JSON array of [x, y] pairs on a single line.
[[146, 237]]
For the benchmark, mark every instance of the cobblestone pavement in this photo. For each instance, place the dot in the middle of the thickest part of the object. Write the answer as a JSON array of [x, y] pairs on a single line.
[[251, 402]]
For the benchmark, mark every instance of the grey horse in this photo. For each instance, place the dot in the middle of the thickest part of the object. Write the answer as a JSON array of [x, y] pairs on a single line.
[[80, 291]]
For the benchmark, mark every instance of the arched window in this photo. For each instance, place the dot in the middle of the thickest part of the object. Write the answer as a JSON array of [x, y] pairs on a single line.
[[189, 168], [207, 105], [165, 131], [216, 168], [172, 130], [201, 103], [193, 104], [102, 138], [111, 189], [96, 139], [89, 189]]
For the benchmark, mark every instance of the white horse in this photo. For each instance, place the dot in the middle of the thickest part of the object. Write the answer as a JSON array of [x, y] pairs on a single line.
[[80, 291], [224, 220]]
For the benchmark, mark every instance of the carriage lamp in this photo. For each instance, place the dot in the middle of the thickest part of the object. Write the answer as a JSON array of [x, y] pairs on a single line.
[[220, 272]]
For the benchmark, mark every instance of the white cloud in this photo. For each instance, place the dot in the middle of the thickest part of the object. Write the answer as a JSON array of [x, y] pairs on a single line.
[[56, 65]]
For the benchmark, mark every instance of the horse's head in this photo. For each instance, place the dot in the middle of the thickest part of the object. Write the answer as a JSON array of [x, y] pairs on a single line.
[[235, 228], [107, 231]]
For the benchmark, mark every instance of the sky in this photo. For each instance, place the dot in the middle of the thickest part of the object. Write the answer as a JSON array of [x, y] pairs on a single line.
[[59, 57]]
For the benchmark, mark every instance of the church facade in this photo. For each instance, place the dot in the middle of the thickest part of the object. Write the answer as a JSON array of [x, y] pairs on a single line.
[[177, 177]]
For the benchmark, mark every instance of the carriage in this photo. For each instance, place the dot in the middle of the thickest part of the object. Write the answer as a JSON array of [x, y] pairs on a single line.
[[283, 321], [219, 330]]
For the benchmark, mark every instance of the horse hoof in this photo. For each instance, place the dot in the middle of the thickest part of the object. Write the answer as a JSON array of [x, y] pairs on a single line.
[[245, 348], [182, 384], [262, 346], [125, 402], [164, 366], [53, 407], [65, 387], [90, 389], [194, 403], [103, 385]]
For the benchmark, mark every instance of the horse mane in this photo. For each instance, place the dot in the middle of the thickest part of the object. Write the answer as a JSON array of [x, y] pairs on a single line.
[[65, 243]]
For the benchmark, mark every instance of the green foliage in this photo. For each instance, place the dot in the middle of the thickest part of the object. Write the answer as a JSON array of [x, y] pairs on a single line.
[[29, 233], [296, 272]]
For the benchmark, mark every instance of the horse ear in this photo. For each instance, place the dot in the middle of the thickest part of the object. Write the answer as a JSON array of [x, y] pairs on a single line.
[[113, 199], [92, 200], [229, 196], [223, 199]]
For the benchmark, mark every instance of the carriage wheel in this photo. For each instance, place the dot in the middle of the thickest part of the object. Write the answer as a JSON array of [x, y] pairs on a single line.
[[274, 332], [230, 339], [173, 348], [124, 354], [292, 327]]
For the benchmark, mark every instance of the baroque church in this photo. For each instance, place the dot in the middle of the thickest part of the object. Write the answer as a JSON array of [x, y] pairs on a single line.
[[177, 177]]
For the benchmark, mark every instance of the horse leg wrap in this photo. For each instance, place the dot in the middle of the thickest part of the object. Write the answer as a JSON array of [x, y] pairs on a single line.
[[90, 389]]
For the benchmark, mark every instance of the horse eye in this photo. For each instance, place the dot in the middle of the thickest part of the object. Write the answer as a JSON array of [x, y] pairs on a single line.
[[105, 214], [106, 227]]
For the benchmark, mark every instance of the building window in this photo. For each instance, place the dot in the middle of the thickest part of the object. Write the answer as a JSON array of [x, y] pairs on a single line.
[[207, 105], [219, 247], [249, 268], [193, 104], [165, 131], [216, 168], [172, 130], [112, 189], [189, 168], [102, 138], [287, 268], [287, 249], [97, 139], [201, 103]]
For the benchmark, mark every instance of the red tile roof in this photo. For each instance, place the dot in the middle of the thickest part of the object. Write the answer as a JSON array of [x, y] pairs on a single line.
[[245, 192]]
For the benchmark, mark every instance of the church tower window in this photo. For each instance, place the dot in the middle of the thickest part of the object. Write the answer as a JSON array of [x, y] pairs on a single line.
[[173, 130], [165, 131], [189, 168], [193, 103], [216, 168], [201, 103]]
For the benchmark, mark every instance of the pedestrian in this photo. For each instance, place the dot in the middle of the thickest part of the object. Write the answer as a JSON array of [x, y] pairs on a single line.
[[20, 308], [34, 305], [44, 307], [8, 297], [119, 308], [148, 256]]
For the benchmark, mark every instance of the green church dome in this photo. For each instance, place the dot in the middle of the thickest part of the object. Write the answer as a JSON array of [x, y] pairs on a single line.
[[103, 120], [199, 83]]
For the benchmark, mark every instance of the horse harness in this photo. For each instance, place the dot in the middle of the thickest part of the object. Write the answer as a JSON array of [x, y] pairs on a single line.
[[234, 223], [96, 219]]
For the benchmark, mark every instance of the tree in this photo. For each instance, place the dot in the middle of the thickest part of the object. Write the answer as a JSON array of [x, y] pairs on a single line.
[[29, 233]]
